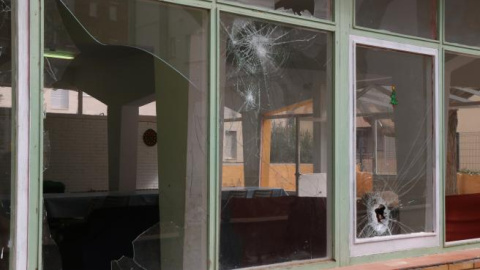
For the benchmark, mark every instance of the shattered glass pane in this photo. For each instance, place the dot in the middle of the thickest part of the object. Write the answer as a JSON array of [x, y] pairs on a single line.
[[126, 263], [276, 100], [408, 17], [126, 92], [321, 9], [146, 249], [52, 259], [394, 143], [5, 130]]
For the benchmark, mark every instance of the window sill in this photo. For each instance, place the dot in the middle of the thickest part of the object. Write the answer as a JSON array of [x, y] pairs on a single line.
[[466, 259]]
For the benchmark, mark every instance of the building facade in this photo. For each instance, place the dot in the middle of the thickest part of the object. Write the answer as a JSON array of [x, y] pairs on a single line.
[[232, 134]]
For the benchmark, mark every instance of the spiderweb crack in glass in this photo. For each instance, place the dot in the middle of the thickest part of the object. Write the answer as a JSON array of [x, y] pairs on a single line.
[[257, 50], [383, 205]]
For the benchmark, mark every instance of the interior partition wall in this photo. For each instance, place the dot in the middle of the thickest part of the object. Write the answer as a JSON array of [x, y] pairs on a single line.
[[286, 134]]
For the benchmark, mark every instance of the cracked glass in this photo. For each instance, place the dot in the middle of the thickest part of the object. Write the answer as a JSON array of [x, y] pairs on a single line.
[[321, 9], [276, 143], [125, 118], [409, 17], [5, 131], [395, 142]]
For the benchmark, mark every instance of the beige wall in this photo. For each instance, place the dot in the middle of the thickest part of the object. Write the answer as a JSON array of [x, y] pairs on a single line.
[[469, 129]]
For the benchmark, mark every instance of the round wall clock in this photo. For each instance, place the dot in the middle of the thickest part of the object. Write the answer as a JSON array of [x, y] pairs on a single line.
[[150, 137]]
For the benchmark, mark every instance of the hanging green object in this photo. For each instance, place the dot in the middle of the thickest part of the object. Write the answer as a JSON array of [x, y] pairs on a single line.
[[393, 96]]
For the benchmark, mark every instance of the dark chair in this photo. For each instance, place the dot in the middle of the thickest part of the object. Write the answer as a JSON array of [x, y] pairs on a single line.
[[262, 193], [237, 194]]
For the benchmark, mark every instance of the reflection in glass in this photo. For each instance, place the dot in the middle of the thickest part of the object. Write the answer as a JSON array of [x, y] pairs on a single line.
[[321, 9], [275, 87], [5, 131], [394, 143], [462, 22], [462, 187], [408, 17], [125, 68]]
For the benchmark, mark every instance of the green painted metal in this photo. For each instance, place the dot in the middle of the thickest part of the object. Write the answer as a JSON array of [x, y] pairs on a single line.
[[341, 132], [35, 214], [214, 142], [461, 50], [192, 3]]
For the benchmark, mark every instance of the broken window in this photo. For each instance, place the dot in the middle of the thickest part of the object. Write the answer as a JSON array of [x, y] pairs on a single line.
[[408, 17], [395, 143], [5, 131], [462, 22], [462, 184], [126, 182], [321, 9], [276, 97]]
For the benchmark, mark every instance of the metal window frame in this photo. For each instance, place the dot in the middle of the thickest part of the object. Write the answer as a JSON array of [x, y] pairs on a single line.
[[385, 244], [27, 157]]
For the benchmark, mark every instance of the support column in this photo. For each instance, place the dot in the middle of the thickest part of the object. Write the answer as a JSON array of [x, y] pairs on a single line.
[[122, 147], [251, 148], [172, 91], [266, 149]]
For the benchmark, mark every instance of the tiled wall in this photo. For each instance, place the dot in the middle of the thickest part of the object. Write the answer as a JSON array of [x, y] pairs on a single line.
[[78, 154]]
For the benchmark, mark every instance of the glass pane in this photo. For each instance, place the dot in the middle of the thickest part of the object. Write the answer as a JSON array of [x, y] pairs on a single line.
[[275, 88], [408, 17], [321, 9], [394, 143], [5, 131], [462, 22], [125, 180], [463, 147]]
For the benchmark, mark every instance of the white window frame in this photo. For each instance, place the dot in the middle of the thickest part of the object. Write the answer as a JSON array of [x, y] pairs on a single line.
[[386, 244]]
